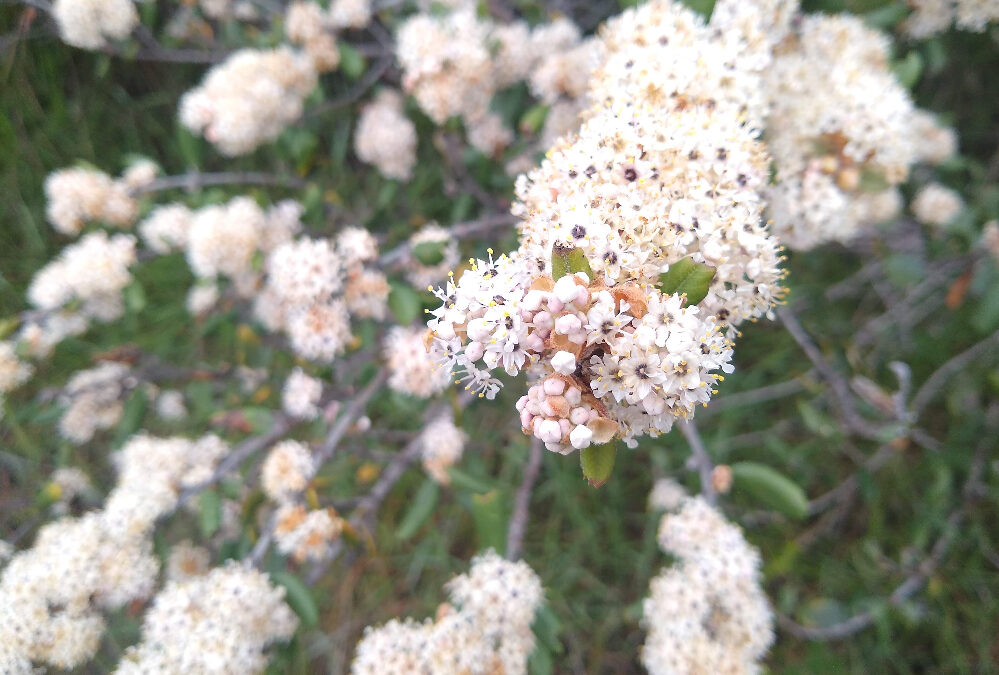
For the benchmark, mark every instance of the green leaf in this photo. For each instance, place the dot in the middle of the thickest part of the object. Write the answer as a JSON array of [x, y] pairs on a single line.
[[533, 119], [135, 297], [468, 482], [261, 419], [908, 70], [210, 508], [430, 252], [490, 520], [420, 510], [405, 303], [686, 277], [299, 597], [771, 487], [569, 260], [131, 419], [352, 62], [598, 463]]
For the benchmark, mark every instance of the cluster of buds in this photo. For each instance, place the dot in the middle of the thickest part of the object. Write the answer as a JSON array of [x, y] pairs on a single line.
[[555, 412]]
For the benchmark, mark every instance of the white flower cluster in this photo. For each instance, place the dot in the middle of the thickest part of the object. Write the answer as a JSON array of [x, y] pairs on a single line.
[[287, 470], [308, 25], [65, 485], [707, 613], [249, 99], [442, 444], [84, 283], [930, 17], [51, 595], [664, 169], [90, 24], [937, 205], [186, 561], [454, 62], [93, 401], [77, 196], [170, 405], [301, 394], [306, 535], [385, 137], [314, 285], [13, 371], [411, 370], [486, 628], [843, 132], [220, 622]]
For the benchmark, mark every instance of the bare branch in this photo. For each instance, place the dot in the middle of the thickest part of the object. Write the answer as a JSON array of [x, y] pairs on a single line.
[[350, 414], [953, 366], [700, 459], [458, 231], [522, 501], [195, 180]]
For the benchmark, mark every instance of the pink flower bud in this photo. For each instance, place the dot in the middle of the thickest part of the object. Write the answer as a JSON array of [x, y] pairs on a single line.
[[554, 386]]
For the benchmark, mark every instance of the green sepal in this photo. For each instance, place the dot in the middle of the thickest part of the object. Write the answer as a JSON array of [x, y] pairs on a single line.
[[569, 260]]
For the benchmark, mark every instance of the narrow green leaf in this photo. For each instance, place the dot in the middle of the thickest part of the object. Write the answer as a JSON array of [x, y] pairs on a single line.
[[430, 252], [532, 120], [468, 482], [686, 277], [135, 297], [299, 597], [490, 520], [908, 70], [771, 487], [405, 303], [420, 510], [598, 463], [210, 508], [131, 419]]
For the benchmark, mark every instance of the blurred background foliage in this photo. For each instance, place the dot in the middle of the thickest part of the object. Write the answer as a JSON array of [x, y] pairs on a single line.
[[928, 299]]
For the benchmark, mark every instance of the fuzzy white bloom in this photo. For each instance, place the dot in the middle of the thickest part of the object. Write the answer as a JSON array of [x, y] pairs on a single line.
[[93, 400], [305, 271], [306, 535], [411, 370], [13, 371], [301, 394], [186, 561], [356, 246], [320, 331], [366, 294], [75, 197], [442, 446], [385, 137], [485, 629], [202, 297], [222, 621], [92, 271], [222, 239], [350, 13], [843, 132], [170, 405], [51, 595], [140, 174], [287, 470], [249, 99], [38, 338], [90, 24], [930, 17], [307, 25], [666, 495], [937, 205], [707, 613], [165, 228], [422, 275]]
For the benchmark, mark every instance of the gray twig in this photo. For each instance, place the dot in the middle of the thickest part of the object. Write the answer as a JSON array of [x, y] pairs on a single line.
[[700, 458], [522, 502]]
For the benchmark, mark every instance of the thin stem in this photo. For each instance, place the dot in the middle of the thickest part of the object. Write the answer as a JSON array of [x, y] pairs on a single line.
[[350, 414], [953, 366], [196, 180], [522, 502], [700, 459], [398, 255]]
